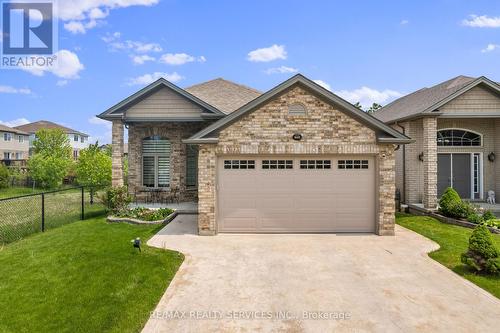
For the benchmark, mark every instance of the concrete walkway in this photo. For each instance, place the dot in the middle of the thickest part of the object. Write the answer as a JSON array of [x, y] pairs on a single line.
[[314, 283]]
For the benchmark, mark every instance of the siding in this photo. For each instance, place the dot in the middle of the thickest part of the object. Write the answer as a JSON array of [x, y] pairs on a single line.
[[476, 100], [164, 103], [14, 146]]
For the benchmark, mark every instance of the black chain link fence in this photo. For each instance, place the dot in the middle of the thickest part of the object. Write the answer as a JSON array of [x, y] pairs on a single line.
[[28, 214]]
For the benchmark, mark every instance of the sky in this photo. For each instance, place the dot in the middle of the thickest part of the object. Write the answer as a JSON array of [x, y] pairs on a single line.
[[366, 51]]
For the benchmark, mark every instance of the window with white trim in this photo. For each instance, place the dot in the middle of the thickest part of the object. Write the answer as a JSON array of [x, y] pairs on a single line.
[[297, 109], [156, 162], [20, 138], [315, 164], [191, 165], [458, 138], [352, 164], [6, 156], [19, 156], [476, 173], [7, 136], [75, 137], [239, 164], [277, 164]]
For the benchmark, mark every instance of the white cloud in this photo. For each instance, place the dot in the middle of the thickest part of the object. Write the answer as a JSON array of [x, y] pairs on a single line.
[[12, 90], [62, 83], [367, 96], [149, 78], [179, 58], [266, 54], [490, 47], [82, 15], [15, 122], [323, 84], [141, 59], [67, 66], [281, 70], [404, 22], [104, 136], [115, 44], [483, 21], [98, 121], [111, 37]]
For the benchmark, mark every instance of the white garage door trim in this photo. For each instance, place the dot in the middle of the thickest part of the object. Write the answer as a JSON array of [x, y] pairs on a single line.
[[296, 194]]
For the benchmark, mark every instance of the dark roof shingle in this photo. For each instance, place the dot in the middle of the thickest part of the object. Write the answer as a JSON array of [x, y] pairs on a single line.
[[38, 125], [8, 129]]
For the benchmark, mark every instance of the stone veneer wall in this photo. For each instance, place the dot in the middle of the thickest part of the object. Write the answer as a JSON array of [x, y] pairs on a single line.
[[269, 130], [430, 162], [175, 132], [117, 131]]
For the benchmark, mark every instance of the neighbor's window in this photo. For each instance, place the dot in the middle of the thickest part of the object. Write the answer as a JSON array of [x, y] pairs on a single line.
[[19, 156], [156, 162], [82, 139], [75, 137], [21, 138], [353, 164], [458, 138], [297, 109], [75, 154], [7, 136], [315, 164], [191, 165], [6, 156]]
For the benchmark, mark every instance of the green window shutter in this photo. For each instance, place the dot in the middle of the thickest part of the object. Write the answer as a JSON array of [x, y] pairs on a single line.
[[191, 165]]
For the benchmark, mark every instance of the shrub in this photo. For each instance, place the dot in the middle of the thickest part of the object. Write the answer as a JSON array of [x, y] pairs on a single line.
[[4, 176], [492, 223], [488, 215], [451, 205], [116, 199], [475, 218], [482, 254], [146, 214]]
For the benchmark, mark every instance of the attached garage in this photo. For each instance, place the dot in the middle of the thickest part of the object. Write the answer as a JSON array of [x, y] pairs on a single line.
[[289, 194]]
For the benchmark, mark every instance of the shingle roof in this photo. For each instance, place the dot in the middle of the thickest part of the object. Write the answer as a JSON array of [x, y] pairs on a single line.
[[37, 125], [420, 100], [225, 95], [4, 128]]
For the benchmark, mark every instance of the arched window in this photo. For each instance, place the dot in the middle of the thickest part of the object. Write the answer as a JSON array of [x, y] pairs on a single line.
[[155, 162], [458, 138], [297, 109]]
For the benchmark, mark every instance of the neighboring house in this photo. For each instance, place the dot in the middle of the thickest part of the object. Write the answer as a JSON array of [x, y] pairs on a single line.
[[14, 145], [77, 140], [295, 159], [456, 128]]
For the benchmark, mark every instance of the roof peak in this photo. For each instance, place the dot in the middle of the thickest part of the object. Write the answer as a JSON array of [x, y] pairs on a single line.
[[224, 80]]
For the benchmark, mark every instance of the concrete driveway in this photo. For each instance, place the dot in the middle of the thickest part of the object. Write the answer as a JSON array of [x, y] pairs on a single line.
[[314, 283]]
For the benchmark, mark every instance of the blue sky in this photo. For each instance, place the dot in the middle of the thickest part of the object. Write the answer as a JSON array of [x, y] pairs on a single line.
[[368, 51]]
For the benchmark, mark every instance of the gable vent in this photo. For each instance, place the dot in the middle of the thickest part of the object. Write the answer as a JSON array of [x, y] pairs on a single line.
[[297, 109]]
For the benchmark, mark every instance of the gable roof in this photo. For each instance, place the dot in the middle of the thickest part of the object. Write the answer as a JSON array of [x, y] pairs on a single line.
[[385, 133], [427, 100], [225, 95], [38, 125], [117, 111], [8, 129]]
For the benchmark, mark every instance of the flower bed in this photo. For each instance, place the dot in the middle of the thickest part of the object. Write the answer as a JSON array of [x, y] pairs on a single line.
[[142, 215]]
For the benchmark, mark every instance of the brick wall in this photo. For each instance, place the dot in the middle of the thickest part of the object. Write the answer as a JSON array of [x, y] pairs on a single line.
[[117, 153], [429, 145], [269, 130]]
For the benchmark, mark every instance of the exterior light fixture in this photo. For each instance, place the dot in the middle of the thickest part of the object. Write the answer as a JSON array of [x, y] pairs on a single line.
[[491, 157], [297, 137], [136, 243], [421, 157]]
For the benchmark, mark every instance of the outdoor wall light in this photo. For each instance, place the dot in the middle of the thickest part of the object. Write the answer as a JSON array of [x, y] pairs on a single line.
[[421, 157], [136, 243], [491, 157], [297, 137]]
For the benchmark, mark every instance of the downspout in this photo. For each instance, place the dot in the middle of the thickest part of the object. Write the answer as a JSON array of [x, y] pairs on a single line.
[[403, 190]]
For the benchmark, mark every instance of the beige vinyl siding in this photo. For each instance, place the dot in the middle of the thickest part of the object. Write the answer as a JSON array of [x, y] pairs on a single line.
[[477, 100], [164, 103], [14, 146]]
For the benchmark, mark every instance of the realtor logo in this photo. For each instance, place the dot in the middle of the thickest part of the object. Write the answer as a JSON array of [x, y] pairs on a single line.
[[28, 28]]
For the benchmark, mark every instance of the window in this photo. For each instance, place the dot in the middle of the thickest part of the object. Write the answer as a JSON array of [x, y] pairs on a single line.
[[458, 138], [277, 164], [353, 164], [7, 136], [315, 164], [297, 109], [75, 138], [82, 139], [19, 156], [75, 154], [21, 138], [191, 165], [6, 156], [156, 162], [239, 164], [476, 173]]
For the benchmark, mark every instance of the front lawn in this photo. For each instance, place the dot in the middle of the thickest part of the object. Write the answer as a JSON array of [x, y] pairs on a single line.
[[83, 277], [453, 241]]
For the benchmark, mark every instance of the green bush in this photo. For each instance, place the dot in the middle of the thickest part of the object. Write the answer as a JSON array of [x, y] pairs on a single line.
[[492, 223], [146, 214], [116, 199], [475, 218], [488, 215], [482, 254], [4, 176], [451, 205]]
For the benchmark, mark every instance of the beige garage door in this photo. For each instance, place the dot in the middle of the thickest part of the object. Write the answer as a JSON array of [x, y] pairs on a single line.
[[290, 194]]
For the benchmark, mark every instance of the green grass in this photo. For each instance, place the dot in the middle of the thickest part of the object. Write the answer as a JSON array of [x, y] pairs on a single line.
[[83, 277], [17, 191], [453, 241]]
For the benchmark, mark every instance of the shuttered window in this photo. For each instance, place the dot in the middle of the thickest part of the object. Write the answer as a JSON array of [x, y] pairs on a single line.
[[191, 165], [156, 162]]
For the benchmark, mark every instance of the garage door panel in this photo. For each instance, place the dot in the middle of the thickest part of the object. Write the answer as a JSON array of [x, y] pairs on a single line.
[[296, 200]]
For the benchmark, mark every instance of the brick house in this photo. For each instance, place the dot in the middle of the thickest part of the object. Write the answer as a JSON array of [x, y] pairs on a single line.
[[296, 158], [456, 128]]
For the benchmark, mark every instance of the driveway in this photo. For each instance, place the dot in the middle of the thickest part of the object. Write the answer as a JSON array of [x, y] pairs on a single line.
[[314, 283]]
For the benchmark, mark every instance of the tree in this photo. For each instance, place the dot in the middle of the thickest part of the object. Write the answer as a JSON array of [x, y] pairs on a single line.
[[52, 158], [93, 167], [374, 107], [358, 105]]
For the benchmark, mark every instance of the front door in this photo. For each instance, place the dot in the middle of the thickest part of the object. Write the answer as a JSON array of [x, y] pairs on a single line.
[[454, 170]]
